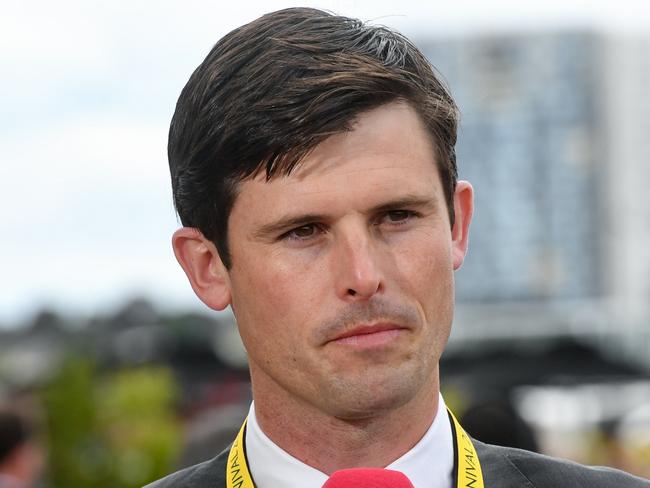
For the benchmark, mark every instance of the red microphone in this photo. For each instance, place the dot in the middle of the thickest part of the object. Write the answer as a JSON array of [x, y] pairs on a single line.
[[368, 478]]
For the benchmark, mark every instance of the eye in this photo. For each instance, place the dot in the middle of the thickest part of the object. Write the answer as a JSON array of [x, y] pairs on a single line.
[[303, 232], [398, 216]]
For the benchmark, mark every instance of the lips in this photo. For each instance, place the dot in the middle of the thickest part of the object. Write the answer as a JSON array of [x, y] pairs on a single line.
[[369, 335]]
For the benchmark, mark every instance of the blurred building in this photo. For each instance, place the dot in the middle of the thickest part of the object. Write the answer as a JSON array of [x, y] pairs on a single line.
[[554, 296], [554, 137], [626, 84]]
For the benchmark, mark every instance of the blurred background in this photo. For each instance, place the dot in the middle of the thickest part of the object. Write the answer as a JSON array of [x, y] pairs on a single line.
[[112, 373]]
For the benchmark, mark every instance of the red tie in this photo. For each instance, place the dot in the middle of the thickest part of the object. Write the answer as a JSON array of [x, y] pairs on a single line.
[[368, 478]]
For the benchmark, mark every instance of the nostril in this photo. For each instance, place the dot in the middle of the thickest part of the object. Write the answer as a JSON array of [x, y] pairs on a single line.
[[351, 292]]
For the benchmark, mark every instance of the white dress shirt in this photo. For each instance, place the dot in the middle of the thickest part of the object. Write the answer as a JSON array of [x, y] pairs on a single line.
[[429, 464]]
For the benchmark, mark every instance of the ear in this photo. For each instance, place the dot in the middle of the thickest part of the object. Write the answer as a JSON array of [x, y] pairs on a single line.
[[463, 210], [200, 260]]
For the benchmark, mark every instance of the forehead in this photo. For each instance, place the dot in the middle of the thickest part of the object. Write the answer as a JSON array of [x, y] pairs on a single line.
[[387, 152]]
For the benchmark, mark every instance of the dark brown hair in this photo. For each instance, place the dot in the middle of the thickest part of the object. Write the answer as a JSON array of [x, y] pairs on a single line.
[[270, 91]]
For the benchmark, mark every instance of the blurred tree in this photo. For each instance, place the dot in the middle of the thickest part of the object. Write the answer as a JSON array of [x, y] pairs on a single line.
[[137, 419], [117, 430], [76, 454]]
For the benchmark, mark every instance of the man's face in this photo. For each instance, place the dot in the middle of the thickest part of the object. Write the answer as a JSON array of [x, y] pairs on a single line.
[[342, 273]]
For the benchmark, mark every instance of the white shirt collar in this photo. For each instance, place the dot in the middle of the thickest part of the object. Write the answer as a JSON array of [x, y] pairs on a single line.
[[429, 464]]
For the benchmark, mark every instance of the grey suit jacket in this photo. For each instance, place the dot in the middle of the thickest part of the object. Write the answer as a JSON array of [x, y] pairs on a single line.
[[502, 468]]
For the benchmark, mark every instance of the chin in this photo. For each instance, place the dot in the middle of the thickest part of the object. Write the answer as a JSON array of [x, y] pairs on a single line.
[[370, 397]]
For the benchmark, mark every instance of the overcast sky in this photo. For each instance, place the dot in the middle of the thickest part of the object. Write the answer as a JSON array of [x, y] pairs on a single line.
[[88, 89]]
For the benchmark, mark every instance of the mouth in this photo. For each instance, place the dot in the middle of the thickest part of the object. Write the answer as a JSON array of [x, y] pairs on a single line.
[[370, 335]]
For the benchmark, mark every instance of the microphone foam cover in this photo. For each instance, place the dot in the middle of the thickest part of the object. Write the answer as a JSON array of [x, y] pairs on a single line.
[[368, 478]]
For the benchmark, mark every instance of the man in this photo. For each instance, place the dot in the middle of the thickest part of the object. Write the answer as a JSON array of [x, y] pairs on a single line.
[[313, 169], [21, 460]]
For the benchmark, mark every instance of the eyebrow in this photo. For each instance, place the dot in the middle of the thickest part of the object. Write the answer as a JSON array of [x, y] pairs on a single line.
[[407, 201], [288, 222]]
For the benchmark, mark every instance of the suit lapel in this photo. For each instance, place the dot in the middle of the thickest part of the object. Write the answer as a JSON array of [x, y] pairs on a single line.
[[498, 471]]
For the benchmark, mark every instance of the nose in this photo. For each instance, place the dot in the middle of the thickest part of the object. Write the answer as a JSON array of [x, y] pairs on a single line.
[[357, 264]]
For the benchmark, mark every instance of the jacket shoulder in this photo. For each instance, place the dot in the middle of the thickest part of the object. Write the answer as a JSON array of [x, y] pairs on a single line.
[[208, 473], [540, 471]]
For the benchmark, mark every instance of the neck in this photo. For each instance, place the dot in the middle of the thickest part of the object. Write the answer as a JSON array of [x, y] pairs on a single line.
[[329, 442]]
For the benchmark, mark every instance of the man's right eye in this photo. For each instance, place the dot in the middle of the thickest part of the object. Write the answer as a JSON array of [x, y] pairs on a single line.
[[302, 233]]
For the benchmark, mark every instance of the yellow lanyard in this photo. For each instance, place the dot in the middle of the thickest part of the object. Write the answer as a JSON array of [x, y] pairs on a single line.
[[237, 473], [466, 463]]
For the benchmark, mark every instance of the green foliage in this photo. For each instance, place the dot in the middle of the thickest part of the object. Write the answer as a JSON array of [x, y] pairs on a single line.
[[117, 430]]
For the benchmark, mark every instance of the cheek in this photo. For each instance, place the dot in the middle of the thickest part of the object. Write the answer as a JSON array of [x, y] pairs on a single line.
[[425, 274], [424, 263], [268, 301]]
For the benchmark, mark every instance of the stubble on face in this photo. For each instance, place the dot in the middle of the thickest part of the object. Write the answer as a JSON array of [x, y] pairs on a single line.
[[369, 381], [355, 384]]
